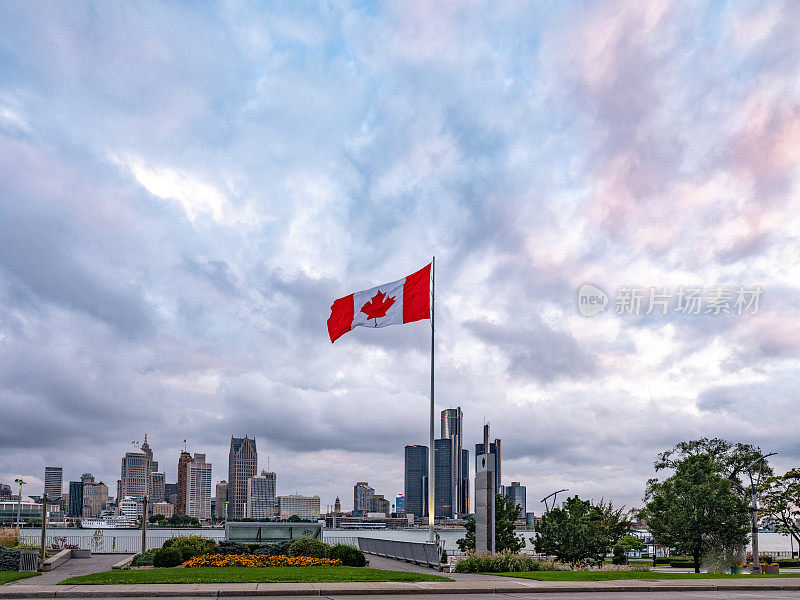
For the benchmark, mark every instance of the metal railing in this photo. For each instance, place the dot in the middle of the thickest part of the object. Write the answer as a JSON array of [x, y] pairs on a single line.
[[28, 561], [419, 553], [99, 544], [340, 539]]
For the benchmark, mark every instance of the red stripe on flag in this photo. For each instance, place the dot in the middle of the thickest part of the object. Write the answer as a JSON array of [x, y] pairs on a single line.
[[417, 296], [341, 319]]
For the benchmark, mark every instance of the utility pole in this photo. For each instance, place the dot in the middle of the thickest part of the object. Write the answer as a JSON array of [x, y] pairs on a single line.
[[44, 521], [144, 524], [754, 482]]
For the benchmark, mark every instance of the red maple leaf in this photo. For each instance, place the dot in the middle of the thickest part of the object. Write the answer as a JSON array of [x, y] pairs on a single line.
[[377, 306]]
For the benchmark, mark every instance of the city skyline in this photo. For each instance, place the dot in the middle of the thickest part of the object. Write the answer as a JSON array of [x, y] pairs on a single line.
[[188, 186]]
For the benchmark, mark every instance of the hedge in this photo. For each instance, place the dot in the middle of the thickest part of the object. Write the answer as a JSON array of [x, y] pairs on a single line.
[[9, 559]]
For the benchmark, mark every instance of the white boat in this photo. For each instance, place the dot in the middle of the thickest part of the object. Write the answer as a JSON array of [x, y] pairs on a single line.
[[109, 523]]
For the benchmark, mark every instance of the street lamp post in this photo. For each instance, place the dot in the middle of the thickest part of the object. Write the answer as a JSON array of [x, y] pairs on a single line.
[[754, 507], [44, 522], [144, 523], [19, 502]]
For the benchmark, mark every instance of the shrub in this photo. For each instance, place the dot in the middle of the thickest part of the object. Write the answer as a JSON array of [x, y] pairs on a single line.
[[309, 547], [681, 562], [279, 549], [171, 556], [788, 562], [501, 563], [190, 545], [664, 560], [350, 556], [619, 557], [228, 547], [9, 559], [9, 537], [144, 560]]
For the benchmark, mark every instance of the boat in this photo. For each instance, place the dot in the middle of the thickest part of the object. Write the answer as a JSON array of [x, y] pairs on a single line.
[[109, 523]]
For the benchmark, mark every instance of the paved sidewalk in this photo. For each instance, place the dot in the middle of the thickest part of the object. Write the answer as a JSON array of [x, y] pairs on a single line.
[[72, 568]]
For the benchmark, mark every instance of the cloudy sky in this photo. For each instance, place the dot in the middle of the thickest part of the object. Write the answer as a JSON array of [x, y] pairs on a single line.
[[185, 188]]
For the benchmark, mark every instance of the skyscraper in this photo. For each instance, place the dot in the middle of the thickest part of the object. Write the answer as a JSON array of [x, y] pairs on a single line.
[[53, 483], [517, 494], [184, 459], [443, 462], [149, 454], [157, 491], [494, 448], [337, 506], [362, 499], [134, 475], [400, 503], [261, 494], [242, 465], [198, 487], [221, 496], [95, 497], [75, 506], [452, 428], [416, 478]]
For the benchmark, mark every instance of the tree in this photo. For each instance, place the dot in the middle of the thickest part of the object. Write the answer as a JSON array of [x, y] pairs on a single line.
[[696, 510], [729, 460], [506, 513], [155, 518], [780, 499], [581, 531], [627, 543]]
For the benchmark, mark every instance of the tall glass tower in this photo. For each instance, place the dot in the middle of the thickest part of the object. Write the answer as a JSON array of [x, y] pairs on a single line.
[[452, 429], [416, 477]]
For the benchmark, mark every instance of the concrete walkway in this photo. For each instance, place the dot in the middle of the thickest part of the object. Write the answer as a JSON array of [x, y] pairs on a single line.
[[72, 568]]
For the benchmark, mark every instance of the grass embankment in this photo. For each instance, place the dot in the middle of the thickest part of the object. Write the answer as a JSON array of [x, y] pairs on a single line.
[[6, 576], [613, 575], [249, 575]]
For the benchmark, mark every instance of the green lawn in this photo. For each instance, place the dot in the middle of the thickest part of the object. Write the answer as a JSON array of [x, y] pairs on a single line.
[[249, 575], [611, 575], [6, 576]]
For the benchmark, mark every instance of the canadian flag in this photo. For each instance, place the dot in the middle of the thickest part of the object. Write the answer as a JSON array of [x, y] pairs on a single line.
[[402, 301]]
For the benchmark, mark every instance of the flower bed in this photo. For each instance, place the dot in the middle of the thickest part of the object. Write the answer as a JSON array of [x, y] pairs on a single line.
[[258, 560]]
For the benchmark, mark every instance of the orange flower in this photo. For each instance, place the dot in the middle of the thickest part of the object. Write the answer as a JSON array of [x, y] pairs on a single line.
[[247, 560]]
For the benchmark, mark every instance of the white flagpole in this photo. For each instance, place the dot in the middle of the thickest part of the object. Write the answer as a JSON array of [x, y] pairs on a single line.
[[431, 461]]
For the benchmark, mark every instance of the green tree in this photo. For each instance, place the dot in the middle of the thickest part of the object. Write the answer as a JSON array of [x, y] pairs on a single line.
[[506, 513], [697, 510], [627, 543], [581, 531], [730, 460], [780, 499], [155, 518]]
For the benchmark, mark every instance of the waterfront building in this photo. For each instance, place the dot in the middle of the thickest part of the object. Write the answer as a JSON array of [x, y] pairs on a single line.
[[400, 503], [452, 427], [443, 488], [130, 507], [495, 449], [362, 498], [379, 504], [242, 465], [95, 498], [337, 506], [261, 494], [156, 490], [517, 494], [54, 482], [305, 507], [416, 480], [198, 488], [134, 475], [75, 502], [5, 492], [184, 459], [162, 508]]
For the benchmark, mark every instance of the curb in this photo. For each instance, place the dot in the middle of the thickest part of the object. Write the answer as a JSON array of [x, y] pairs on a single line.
[[87, 592]]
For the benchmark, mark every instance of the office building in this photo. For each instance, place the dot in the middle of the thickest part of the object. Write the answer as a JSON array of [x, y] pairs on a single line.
[[171, 493], [452, 428], [149, 454], [95, 498], [5, 492], [164, 509], [53, 483], [305, 507], [134, 475], [362, 498], [337, 506], [242, 465], [517, 494], [198, 488], [130, 507], [379, 504], [221, 498], [184, 459], [400, 503], [261, 493], [157, 492], [494, 449], [75, 502], [443, 490], [87, 478], [416, 480]]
